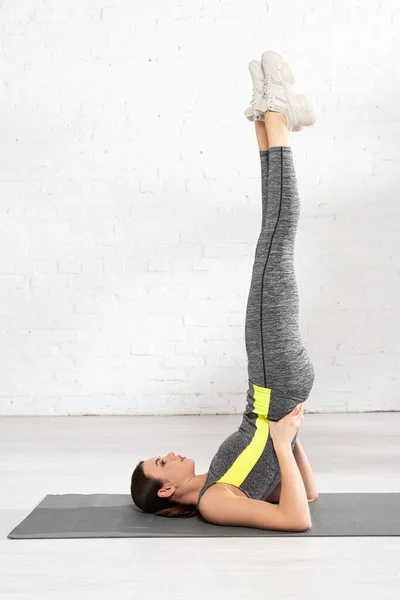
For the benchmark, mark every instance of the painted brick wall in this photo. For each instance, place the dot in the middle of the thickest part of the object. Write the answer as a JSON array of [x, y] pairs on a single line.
[[130, 202]]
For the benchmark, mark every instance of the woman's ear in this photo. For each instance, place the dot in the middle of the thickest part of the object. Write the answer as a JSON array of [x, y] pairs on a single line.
[[166, 491]]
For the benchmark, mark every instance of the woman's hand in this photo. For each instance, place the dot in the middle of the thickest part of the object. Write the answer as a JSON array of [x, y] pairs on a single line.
[[284, 430]]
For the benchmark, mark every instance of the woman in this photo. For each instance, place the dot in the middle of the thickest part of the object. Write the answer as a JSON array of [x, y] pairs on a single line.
[[262, 460]]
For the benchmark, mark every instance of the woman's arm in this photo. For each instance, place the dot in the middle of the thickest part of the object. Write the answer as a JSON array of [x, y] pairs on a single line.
[[306, 471], [306, 474], [293, 503]]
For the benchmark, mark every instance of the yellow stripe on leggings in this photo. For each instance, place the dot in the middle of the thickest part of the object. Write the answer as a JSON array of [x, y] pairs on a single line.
[[244, 463]]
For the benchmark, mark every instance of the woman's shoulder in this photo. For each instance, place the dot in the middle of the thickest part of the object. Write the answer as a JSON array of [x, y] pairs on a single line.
[[217, 492]]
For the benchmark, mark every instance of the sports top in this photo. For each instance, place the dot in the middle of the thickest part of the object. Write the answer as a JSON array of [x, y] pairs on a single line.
[[247, 458]]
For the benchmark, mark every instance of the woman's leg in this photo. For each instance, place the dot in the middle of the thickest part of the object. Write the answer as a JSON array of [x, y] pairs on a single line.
[[262, 137], [277, 359], [278, 133], [276, 124]]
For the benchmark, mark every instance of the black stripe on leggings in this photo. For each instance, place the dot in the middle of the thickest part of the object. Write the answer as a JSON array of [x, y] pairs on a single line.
[[265, 266]]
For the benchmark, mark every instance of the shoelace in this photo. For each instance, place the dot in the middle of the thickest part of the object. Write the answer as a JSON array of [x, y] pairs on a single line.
[[266, 88], [253, 98], [266, 91]]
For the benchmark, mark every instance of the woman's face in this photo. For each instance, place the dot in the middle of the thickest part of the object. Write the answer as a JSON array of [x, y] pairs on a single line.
[[169, 468]]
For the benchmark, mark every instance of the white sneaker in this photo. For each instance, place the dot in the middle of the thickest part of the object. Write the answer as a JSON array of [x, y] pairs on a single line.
[[257, 75], [278, 93]]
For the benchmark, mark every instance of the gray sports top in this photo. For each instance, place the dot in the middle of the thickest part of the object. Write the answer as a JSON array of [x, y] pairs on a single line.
[[247, 458]]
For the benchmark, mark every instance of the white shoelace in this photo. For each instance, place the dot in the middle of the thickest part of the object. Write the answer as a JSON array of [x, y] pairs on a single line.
[[267, 88]]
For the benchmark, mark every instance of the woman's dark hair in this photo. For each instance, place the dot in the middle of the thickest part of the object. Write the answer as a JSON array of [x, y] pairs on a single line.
[[144, 494]]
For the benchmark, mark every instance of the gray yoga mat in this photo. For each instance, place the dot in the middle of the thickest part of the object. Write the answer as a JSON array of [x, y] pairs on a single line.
[[115, 515]]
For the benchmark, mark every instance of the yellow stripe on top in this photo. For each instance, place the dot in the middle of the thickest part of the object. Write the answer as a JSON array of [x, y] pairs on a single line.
[[245, 462]]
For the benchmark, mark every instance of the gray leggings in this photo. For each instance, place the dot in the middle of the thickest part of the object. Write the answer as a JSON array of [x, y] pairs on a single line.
[[277, 360]]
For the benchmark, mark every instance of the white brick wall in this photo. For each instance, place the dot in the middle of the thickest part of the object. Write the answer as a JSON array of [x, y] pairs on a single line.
[[130, 202]]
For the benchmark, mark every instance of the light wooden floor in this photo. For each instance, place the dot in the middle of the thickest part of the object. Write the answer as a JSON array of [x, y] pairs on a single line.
[[45, 455]]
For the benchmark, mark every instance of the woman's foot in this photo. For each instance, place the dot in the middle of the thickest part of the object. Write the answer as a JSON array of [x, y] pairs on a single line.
[[278, 94]]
